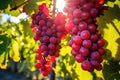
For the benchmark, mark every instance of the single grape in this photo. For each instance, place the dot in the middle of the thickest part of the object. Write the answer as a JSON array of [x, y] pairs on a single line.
[[85, 34], [77, 13], [82, 26], [79, 58], [101, 42], [74, 52], [86, 43], [84, 51], [75, 47], [101, 51], [77, 40], [86, 65], [95, 55], [37, 65], [85, 15], [92, 28]]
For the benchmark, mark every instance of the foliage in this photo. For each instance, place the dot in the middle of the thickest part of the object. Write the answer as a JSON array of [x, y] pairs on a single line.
[[17, 44]]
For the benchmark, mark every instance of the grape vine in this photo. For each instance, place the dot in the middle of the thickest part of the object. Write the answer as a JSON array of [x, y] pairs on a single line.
[[49, 31], [86, 42], [92, 43]]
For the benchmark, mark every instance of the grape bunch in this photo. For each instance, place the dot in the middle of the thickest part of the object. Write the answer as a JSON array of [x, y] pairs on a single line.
[[49, 31], [86, 42]]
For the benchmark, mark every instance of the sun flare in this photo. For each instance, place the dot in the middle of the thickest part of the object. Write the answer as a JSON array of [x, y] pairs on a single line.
[[60, 5]]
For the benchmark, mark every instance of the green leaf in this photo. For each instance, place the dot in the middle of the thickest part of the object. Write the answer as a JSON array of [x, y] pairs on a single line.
[[48, 2], [26, 29], [0, 18], [72, 60], [111, 70], [4, 43], [2, 57], [15, 48], [109, 26], [30, 7], [4, 4], [117, 2], [15, 3], [13, 12], [111, 3]]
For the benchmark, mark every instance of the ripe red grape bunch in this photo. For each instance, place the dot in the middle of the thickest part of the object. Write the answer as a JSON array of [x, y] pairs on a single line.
[[86, 42], [49, 31]]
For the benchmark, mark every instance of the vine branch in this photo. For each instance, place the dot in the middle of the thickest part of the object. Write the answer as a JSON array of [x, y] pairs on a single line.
[[116, 28], [16, 7], [54, 7]]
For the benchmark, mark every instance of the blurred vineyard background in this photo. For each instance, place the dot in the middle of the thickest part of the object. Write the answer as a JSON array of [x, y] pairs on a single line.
[[18, 48]]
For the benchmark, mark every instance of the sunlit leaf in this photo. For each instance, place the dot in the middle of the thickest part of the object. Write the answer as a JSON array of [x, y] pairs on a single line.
[[4, 43], [30, 7], [15, 47], [13, 12], [3, 66], [110, 29], [26, 28], [2, 57]]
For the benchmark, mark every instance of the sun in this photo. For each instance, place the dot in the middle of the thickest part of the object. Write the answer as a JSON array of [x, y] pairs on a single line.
[[60, 5]]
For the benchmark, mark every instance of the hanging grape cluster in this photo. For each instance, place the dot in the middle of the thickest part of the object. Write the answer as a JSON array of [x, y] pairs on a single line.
[[49, 31], [86, 42]]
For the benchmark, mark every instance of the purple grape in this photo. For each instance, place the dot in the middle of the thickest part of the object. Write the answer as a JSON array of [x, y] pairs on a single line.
[[77, 13], [79, 58], [77, 40], [85, 34], [51, 46], [86, 43], [86, 65], [53, 40], [82, 26], [84, 51], [95, 55], [75, 47]]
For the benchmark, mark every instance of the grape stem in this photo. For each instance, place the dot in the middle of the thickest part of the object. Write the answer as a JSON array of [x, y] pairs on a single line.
[[52, 73], [54, 7], [16, 7]]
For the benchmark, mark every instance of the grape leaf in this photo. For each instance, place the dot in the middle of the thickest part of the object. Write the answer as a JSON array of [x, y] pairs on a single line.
[[15, 3], [4, 43], [0, 18], [13, 12], [109, 26], [110, 29], [2, 57], [15, 47], [111, 3], [30, 7], [26, 28], [4, 4], [111, 70], [117, 2]]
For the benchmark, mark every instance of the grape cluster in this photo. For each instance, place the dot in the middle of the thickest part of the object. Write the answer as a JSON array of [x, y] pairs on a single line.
[[86, 42], [49, 31]]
